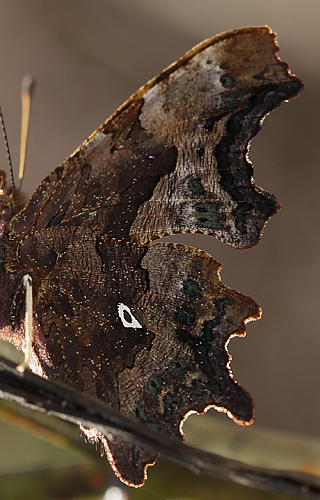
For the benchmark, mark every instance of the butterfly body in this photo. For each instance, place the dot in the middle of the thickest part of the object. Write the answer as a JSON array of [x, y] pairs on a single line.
[[142, 325]]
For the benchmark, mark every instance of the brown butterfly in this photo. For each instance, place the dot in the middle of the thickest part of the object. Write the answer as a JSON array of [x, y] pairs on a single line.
[[142, 325]]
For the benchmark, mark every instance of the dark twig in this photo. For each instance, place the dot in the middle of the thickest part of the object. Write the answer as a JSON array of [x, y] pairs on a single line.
[[30, 390]]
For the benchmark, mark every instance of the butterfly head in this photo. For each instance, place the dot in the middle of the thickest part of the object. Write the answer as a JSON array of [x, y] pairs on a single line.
[[11, 200]]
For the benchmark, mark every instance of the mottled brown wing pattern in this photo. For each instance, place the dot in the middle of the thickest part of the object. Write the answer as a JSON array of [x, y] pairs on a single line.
[[145, 326], [182, 317], [173, 158]]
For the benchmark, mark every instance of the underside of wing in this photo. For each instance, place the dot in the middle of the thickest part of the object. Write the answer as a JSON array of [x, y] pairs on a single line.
[[144, 329], [173, 158]]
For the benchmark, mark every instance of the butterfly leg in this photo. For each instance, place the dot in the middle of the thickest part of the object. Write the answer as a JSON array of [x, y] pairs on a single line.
[[27, 283]]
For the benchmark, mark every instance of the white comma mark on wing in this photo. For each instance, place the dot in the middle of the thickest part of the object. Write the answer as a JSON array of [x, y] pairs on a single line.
[[133, 323]]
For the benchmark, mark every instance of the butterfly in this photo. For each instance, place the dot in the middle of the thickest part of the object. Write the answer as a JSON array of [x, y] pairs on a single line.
[[139, 324]]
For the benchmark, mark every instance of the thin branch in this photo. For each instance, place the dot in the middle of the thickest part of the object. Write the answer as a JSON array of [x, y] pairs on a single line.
[[30, 390]]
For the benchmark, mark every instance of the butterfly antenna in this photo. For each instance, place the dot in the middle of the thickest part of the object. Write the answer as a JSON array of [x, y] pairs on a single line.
[[7, 148], [27, 90]]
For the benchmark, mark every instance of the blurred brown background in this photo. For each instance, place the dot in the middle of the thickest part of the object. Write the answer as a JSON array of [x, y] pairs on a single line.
[[90, 56]]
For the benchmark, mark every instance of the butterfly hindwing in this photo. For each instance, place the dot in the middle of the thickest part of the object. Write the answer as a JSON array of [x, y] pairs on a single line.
[[144, 329]]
